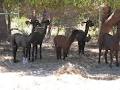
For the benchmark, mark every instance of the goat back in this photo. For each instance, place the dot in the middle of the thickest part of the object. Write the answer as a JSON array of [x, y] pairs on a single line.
[[19, 39], [107, 41], [80, 36], [60, 41]]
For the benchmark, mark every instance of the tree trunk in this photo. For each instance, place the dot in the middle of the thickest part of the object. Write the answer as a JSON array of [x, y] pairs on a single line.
[[9, 24], [58, 30], [49, 28], [68, 31], [3, 25]]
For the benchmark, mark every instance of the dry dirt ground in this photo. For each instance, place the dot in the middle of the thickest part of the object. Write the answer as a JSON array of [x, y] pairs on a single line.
[[77, 72]]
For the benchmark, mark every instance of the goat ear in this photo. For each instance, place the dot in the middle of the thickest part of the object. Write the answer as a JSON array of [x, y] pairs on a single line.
[[88, 35], [48, 22], [27, 22], [84, 22]]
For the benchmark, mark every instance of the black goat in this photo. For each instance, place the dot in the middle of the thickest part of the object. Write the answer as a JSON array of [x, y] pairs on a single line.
[[36, 38], [35, 23], [81, 36]]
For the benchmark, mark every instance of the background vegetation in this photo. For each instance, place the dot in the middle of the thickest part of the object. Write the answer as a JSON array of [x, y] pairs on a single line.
[[64, 14]]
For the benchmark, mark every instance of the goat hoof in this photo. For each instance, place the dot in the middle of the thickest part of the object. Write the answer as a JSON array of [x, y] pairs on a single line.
[[32, 60], [63, 59], [98, 62], [40, 57], [15, 61], [110, 66], [106, 62], [117, 64], [35, 57]]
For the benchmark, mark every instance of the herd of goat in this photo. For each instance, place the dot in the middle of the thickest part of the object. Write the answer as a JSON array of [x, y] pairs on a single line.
[[63, 43], [30, 43]]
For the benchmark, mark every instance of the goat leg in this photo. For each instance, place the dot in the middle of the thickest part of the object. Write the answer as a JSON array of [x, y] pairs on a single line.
[[57, 52], [24, 52], [29, 52], [28, 49], [36, 52], [64, 54], [79, 48], [82, 47], [105, 56], [40, 52], [116, 56], [111, 59], [14, 54], [99, 54], [60, 54], [33, 48]]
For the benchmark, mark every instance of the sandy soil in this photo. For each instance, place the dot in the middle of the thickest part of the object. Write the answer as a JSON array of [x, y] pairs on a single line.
[[77, 72]]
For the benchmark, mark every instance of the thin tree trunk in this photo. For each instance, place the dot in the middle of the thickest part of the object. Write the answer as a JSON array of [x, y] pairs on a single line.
[[49, 28], [58, 30], [3, 25], [9, 24]]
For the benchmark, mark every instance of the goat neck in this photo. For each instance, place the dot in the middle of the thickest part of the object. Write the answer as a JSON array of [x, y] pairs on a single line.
[[106, 12], [114, 17], [112, 20], [118, 31], [70, 40], [45, 24], [86, 29]]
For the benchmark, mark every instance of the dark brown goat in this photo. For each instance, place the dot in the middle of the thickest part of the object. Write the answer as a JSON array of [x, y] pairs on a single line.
[[108, 42], [62, 45], [60, 42]]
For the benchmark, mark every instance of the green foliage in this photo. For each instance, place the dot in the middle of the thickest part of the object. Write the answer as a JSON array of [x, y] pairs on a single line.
[[66, 13], [10, 4], [20, 24]]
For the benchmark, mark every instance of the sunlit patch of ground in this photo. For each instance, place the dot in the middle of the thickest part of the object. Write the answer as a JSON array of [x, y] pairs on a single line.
[[93, 50], [16, 81]]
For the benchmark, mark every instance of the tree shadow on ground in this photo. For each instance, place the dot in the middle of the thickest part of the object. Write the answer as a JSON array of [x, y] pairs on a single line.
[[49, 64], [43, 67], [89, 64]]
